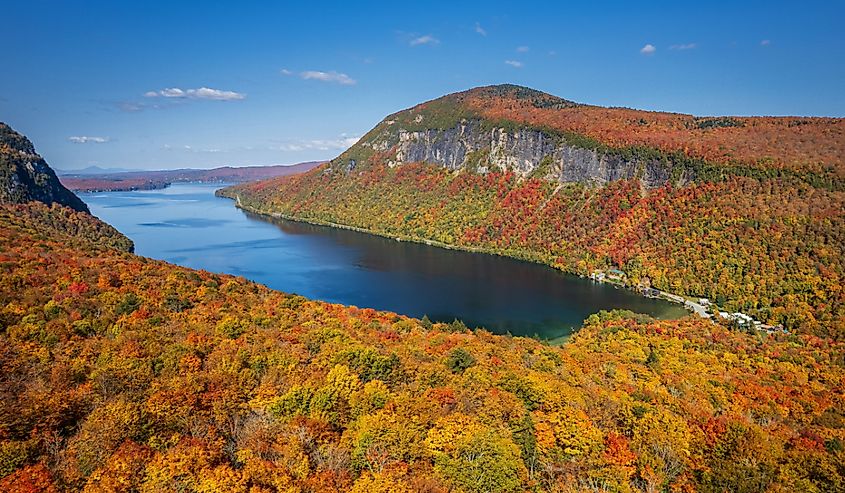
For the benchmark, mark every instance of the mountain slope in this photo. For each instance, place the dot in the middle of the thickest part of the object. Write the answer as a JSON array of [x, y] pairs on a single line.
[[25, 176], [121, 373], [517, 129], [743, 211]]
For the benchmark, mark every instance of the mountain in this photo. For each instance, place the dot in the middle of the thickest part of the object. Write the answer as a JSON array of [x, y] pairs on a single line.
[[90, 170], [532, 133], [744, 211], [146, 180], [123, 373], [25, 176]]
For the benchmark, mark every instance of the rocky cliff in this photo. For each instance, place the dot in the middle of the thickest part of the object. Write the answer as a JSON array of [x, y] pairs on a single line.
[[26, 177], [534, 134], [449, 132], [528, 152]]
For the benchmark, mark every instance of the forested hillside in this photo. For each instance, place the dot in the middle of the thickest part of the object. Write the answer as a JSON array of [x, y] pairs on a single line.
[[744, 211], [121, 373]]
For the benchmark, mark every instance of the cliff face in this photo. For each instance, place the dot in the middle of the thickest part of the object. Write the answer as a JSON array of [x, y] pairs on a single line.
[[457, 132], [525, 151], [26, 177], [534, 134]]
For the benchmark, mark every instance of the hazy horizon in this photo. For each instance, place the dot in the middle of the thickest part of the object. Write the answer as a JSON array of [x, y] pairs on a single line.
[[119, 169]]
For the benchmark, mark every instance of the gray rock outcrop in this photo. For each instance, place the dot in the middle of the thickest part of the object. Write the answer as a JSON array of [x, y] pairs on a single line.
[[524, 150]]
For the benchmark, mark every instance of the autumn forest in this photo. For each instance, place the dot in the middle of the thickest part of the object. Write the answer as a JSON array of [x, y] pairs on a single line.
[[127, 373]]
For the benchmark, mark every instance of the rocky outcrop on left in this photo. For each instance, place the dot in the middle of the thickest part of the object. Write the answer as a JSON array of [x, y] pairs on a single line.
[[26, 177]]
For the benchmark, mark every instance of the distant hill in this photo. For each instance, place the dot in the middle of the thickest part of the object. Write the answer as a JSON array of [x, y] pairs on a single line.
[[745, 211], [147, 180], [91, 170], [25, 176]]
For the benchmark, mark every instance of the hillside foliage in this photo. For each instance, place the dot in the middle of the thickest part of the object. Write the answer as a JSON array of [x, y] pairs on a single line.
[[771, 248], [121, 373], [750, 218]]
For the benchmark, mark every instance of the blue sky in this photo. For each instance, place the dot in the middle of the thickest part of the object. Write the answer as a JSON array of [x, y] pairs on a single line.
[[201, 84]]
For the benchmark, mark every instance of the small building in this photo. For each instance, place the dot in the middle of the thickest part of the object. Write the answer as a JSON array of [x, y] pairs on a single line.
[[704, 302], [651, 293]]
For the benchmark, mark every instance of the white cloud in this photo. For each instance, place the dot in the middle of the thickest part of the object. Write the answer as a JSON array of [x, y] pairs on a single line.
[[427, 39], [522, 49], [337, 77], [480, 30], [339, 144], [648, 49], [85, 139], [189, 148], [285, 71], [200, 93], [765, 42], [682, 47], [513, 63]]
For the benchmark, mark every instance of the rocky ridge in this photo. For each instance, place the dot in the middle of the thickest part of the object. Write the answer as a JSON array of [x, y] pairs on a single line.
[[25, 176]]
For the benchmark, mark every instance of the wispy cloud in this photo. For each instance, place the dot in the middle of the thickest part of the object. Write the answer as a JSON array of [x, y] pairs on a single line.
[[130, 106], [200, 93], [522, 49], [339, 144], [682, 47], [765, 42], [427, 39], [480, 30], [188, 148], [513, 63], [648, 49], [332, 76], [86, 139]]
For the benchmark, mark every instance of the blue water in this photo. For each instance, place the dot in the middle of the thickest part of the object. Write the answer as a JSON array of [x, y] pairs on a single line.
[[187, 225]]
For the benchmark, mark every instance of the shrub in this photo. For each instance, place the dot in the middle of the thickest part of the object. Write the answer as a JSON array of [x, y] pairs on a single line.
[[232, 327], [459, 360], [129, 304]]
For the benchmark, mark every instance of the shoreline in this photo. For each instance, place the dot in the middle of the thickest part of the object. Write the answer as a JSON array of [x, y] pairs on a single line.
[[691, 307]]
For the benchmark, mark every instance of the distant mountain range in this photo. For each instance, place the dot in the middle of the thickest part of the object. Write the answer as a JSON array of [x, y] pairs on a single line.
[[92, 180], [91, 170]]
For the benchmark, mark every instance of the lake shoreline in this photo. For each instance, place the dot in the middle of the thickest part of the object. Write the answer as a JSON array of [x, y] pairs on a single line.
[[524, 258]]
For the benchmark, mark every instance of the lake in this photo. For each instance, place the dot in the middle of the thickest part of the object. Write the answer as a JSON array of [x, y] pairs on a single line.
[[187, 225]]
